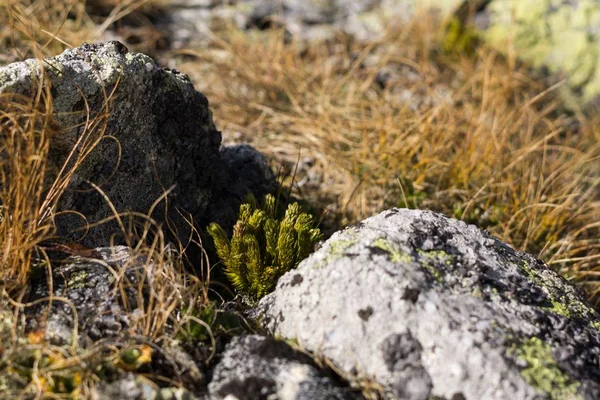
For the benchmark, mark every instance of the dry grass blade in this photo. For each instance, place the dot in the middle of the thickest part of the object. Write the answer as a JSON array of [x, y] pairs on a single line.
[[25, 131]]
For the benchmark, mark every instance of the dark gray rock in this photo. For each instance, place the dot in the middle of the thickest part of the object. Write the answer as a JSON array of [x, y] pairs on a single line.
[[248, 172], [430, 306], [164, 128], [158, 135], [87, 285], [257, 367]]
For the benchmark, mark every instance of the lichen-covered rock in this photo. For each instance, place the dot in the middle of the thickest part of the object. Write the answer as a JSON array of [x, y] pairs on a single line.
[[88, 286], [563, 36], [430, 306], [159, 134], [258, 367]]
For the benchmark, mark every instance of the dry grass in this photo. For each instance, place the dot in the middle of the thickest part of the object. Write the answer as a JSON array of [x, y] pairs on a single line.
[[47, 27], [397, 122]]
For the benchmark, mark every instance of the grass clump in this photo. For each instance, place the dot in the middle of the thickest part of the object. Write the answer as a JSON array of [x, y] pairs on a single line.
[[264, 247]]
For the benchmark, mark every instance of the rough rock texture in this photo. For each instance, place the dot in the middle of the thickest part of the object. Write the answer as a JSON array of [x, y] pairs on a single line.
[[159, 134], [248, 172], [88, 283], [258, 367], [430, 306]]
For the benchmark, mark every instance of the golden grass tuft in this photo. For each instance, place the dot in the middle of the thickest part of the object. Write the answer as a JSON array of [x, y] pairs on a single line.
[[399, 122], [25, 130]]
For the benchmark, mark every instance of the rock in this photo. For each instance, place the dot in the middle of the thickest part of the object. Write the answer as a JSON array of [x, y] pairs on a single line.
[[158, 135], [135, 387], [258, 367], [560, 36], [130, 387], [248, 172], [88, 284], [163, 126], [430, 306], [189, 21]]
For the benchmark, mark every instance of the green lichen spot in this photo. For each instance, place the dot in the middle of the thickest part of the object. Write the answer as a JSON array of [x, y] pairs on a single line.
[[432, 260], [477, 292], [338, 248], [542, 371], [595, 325], [396, 255], [562, 303], [77, 280]]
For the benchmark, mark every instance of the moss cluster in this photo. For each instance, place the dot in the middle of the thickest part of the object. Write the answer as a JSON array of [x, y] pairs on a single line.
[[264, 247]]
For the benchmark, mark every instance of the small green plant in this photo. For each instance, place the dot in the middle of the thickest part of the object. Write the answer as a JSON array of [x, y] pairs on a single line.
[[264, 247]]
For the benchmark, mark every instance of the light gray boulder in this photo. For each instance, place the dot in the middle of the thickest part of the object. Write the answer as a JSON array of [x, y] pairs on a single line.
[[259, 367], [135, 387], [430, 307]]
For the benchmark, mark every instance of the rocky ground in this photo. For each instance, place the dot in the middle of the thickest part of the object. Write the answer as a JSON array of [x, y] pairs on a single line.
[[124, 297]]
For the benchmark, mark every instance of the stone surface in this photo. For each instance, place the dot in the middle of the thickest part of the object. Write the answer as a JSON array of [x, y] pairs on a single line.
[[88, 284], [248, 172], [132, 387], [189, 22], [158, 135], [259, 367], [430, 306], [163, 126]]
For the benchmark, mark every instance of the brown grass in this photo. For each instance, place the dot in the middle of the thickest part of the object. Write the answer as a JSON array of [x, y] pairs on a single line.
[[479, 138]]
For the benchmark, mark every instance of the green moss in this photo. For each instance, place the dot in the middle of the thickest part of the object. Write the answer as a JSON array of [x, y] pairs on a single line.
[[459, 37], [215, 322], [595, 325], [264, 245], [542, 371], [395, 254]]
